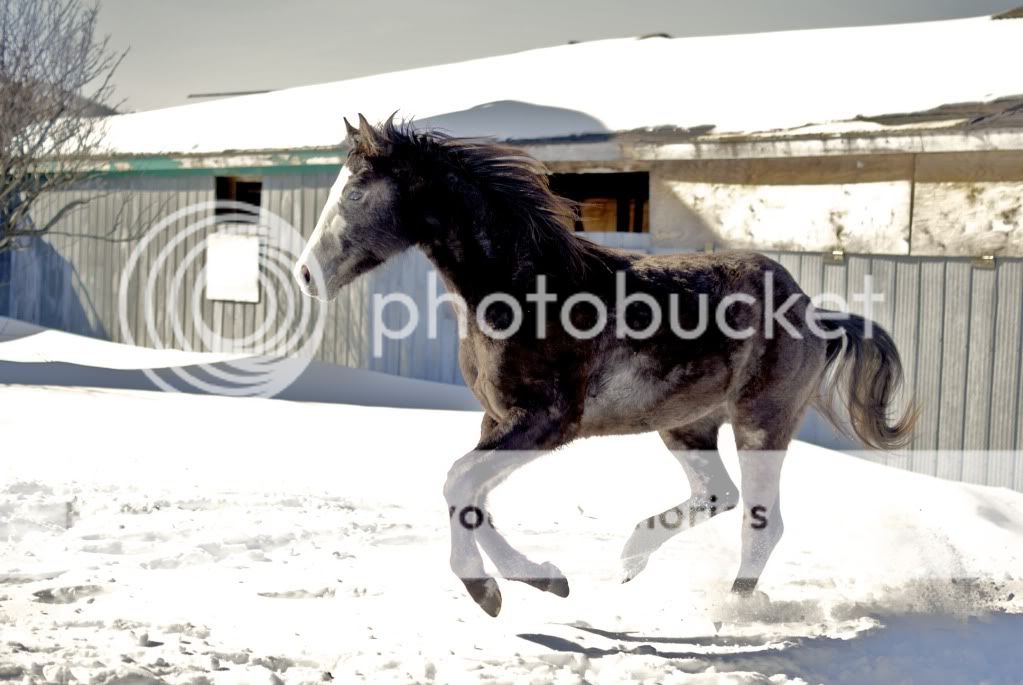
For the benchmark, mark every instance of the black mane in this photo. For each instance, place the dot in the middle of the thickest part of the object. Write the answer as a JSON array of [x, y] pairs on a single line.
[[515, 183]]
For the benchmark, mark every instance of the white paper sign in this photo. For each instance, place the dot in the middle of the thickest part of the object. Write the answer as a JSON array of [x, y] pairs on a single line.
[[232, 267]]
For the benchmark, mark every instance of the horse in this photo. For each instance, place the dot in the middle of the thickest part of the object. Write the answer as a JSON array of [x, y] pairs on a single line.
[[484, 214]]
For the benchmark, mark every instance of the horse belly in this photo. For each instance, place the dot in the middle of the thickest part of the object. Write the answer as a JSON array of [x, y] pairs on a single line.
[[626, 400]]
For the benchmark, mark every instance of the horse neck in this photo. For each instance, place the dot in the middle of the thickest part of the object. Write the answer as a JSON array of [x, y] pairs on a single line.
[[476, 259], [474, 267]]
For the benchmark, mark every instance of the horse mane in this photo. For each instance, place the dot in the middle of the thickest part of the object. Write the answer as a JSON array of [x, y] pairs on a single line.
[[514, 182]]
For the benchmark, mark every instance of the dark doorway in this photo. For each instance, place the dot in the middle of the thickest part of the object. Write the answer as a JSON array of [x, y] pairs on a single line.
[[607, 201], [245, 190]]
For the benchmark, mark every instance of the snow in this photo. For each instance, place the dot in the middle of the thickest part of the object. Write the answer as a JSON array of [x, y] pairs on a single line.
[[30, 354], [161, 537], [740, 83], [26, 343]]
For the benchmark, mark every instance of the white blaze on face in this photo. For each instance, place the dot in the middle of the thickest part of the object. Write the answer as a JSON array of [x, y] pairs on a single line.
[[324, 245]]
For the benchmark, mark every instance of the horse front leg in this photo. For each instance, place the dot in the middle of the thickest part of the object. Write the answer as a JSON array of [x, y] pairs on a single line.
[[509, 446], [462, 493], [511, 563]]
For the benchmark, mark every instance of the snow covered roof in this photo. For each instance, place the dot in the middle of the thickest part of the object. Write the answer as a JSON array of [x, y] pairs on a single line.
[[852, 77]]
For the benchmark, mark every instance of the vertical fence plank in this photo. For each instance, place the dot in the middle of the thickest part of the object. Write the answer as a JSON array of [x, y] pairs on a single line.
[[792, 264], [856, 272], [882, 272], [905, 329], [811, 273], [979, 369], [137, 282], [1006, 372], [184, 310], [954, 360], [181, 202], [833, 287], [928, 380]]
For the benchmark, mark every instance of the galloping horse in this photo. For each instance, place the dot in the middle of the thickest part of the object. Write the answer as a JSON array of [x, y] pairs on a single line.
[[485, 216]]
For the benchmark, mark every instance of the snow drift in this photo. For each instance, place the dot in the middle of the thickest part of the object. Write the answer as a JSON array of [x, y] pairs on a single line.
[[195, 539]]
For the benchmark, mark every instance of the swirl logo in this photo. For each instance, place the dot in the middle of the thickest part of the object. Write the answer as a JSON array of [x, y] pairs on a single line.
[[262, 362]]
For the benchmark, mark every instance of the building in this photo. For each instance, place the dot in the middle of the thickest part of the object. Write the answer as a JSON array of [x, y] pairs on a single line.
[[894, 151]]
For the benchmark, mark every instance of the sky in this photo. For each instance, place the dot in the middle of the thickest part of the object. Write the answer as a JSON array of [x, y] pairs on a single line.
[[200, 46]]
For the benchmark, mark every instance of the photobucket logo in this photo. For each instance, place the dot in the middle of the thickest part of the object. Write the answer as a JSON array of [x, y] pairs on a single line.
[[795, 315], [170, 288]]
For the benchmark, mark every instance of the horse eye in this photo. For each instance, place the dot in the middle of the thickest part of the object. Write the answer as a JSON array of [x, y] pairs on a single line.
[[355, 195]]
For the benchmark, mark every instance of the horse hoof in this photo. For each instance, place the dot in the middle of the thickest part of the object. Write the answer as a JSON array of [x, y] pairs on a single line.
[[556, 582], [744, 587], [558, 587], [550, 579], [486, 593], [633, 566]]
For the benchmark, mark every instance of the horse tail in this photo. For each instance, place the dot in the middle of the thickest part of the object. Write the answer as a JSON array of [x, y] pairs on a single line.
[[863, 367]]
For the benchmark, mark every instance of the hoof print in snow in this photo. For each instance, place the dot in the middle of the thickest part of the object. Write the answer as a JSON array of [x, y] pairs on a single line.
[[66, 595], [144, 641], [57, 673], [273, 663], [326, 592], [11, 672], [238, 658], [136, 678]]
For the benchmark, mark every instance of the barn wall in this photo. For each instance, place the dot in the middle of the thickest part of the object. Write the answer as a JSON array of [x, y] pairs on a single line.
[[949, 204], [856, 204], [959, 327], [959, 330], [969, 204], [70, 280]]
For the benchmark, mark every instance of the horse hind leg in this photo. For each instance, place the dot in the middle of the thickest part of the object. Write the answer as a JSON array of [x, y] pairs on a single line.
[[711, 492], [513, 565], [761, 454]]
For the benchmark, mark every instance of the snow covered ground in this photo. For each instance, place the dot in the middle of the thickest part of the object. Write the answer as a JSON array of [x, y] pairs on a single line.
[[150, 537]]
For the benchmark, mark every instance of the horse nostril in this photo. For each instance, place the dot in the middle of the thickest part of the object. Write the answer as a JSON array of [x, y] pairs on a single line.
[[306, 276]]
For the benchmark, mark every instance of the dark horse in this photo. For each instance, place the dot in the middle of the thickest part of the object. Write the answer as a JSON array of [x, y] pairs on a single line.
[[485, 216]]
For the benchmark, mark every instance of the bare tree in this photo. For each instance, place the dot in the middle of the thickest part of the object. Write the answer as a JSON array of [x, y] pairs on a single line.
[[55, 86]]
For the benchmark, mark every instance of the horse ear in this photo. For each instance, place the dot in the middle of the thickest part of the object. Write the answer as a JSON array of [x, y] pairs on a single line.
[[350, 130], [370, 142]]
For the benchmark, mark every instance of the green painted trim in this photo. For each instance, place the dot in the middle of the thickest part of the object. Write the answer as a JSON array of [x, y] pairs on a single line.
[[223, 164], [219, 171]]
